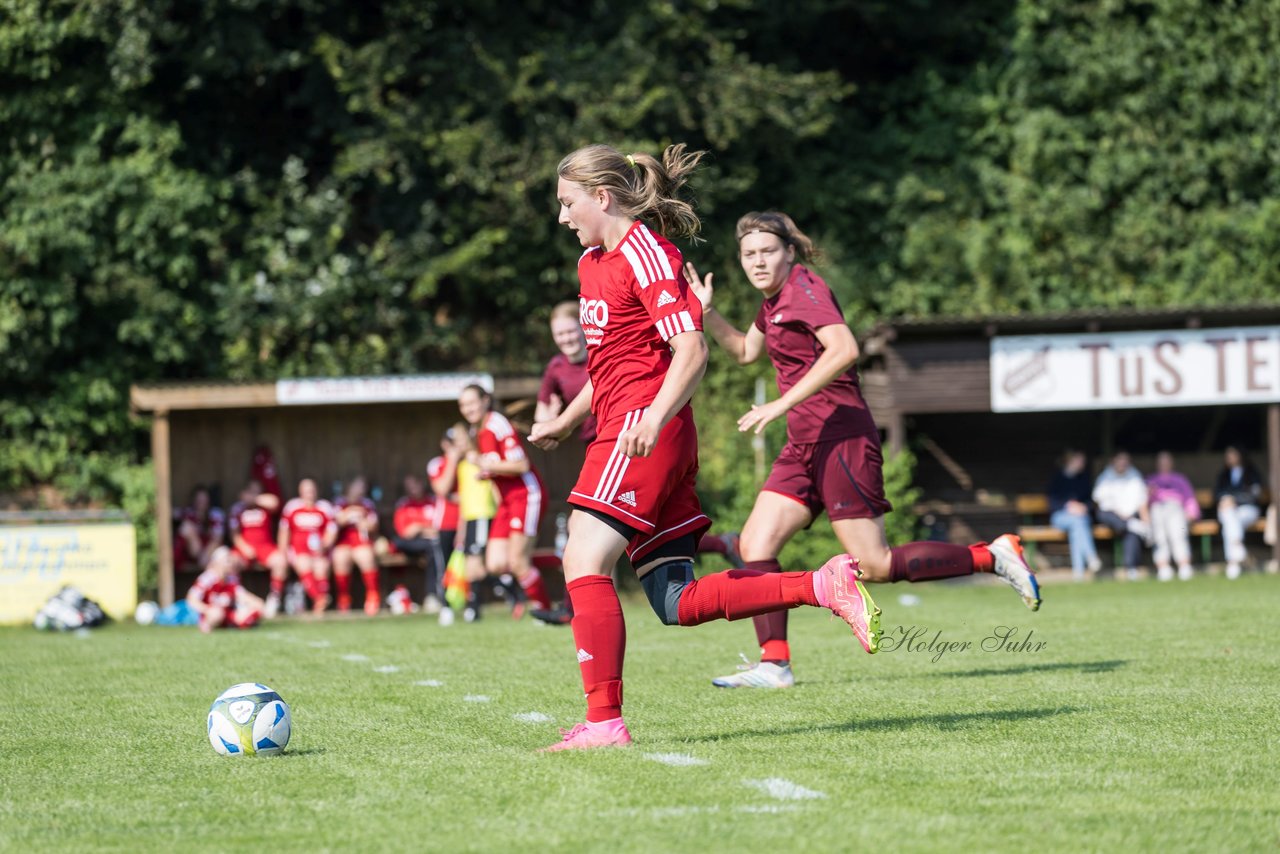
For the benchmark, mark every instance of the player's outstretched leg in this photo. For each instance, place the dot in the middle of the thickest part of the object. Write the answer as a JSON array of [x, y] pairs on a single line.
[[1011, 565]]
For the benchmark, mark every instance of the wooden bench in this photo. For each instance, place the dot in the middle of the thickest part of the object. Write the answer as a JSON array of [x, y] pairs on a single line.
[[1033, 509]]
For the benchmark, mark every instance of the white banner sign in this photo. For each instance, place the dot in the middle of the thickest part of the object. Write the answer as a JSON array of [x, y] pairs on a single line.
[[391, 389], [1182, 367]]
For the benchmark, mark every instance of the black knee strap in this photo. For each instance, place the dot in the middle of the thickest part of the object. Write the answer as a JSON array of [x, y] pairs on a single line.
[[664, 585]]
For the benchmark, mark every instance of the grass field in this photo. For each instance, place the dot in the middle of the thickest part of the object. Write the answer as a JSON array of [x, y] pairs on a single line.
[[1147, 720]]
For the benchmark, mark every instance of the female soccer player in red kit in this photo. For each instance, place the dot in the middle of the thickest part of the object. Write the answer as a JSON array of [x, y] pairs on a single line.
[[832, 458], [636, 489], [520, 491]]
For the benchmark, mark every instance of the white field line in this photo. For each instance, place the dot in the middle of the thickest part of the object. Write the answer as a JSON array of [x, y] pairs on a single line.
[[533, 718], [320, 644], [475, 698], [355, 657], [386, 668], [429, 683], [784, 790], [676, 760]]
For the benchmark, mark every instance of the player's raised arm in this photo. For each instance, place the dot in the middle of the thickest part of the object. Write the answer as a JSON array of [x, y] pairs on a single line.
[[745, 347]]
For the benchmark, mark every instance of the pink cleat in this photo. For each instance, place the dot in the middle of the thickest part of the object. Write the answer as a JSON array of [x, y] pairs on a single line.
[[837, 587], [587, 735]]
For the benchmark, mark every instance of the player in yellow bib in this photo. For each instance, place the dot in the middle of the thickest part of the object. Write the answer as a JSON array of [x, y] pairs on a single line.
[[477, 504]]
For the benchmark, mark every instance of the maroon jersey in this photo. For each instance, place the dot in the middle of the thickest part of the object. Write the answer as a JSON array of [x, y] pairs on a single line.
[[496, 440], [789, 320], [443, 515], [565, 380], [633, 299], [350, 534], [307, 525], [252, 522]]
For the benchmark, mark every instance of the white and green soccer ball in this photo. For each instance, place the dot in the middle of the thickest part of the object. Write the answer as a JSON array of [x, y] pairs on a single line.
[[249, 719]]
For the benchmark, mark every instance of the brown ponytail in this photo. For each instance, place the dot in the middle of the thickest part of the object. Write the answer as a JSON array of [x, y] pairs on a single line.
[[643, 186]]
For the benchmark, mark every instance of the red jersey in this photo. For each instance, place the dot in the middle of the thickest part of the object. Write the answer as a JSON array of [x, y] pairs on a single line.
[[354, 535], [565, 380], [444, 515], [497, 440], [789, 320], [413, 511], [215, 589], [307, 526], [263, 470], [212, 528], [633, 299], [252, 522]]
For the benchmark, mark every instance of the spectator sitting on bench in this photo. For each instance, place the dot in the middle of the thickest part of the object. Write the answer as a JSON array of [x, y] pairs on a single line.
[[1069, 496], [1238, 493], [1172, 505], [1120, 494]]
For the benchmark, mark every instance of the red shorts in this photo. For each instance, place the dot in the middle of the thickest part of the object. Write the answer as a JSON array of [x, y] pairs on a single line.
[[519, 511], [654, 494], [842, 476], [260, 553]]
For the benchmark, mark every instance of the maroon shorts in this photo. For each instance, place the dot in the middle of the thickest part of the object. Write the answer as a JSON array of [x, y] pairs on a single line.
[[842, 476], [654, 494]]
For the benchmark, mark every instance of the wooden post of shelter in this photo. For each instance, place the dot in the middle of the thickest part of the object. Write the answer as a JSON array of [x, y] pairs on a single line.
[[164, 506], [1273, 465]]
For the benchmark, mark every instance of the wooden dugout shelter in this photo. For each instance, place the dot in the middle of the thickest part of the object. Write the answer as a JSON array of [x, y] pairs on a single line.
[[991, 402], [327, 429]]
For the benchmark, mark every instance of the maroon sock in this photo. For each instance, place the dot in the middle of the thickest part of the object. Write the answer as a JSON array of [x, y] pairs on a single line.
[[771, 629], [601, 636], [929, 561], [738, 593], [713, 544]]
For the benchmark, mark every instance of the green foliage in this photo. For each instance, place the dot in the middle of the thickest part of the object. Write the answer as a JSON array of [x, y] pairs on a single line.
[[250, 189]]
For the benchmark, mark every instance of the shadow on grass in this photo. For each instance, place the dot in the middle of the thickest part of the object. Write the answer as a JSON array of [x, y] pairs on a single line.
[[306, 751], [1081, 666], [955, 721]]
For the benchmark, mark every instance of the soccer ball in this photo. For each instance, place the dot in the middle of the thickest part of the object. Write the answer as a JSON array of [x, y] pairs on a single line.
[[249, 718], [146, 613]]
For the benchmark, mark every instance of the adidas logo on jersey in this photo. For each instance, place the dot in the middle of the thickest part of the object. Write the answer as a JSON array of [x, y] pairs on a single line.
[[665, 298], [584, 656], [628, 497]]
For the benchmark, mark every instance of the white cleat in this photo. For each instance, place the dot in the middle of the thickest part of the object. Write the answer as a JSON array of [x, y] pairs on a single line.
[[1010, 565], [763, 674], [1186, 573], [272, 607]]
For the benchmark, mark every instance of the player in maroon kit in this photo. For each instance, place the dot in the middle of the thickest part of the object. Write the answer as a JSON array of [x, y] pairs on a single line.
[[201, 528], [252, 528], [357, 520], [307, 532], [636, 490], [832, 458], [566, 373], [520, 491], [218, 597]]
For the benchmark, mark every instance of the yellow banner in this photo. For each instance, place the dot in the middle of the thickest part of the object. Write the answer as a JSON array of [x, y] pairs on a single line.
[[36, 561]]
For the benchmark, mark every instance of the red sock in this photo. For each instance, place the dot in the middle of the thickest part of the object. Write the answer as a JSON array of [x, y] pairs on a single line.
[[322, 587], [771, 629], [930, 561], [713, 544], [982, 558], [309, 584], [537, 592], [343, 583], [738, 593], [601, 637], [277, 586], [371, 586]]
